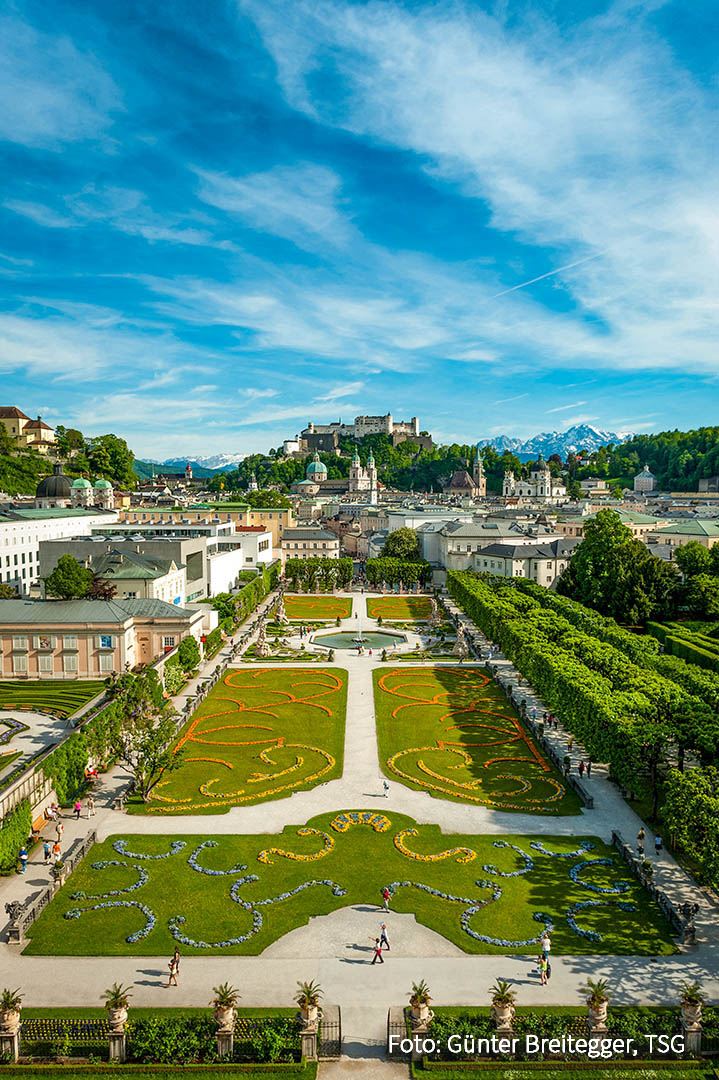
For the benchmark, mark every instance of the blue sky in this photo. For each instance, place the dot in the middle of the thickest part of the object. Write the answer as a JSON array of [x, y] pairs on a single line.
[[218, 221]]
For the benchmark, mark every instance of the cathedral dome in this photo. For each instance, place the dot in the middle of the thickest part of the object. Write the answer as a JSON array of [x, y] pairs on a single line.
[[316, 470], [81, 482], [56, 486]]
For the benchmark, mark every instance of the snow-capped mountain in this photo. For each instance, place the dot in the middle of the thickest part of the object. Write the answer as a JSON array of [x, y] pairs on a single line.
[[579, 437], [216, 461]]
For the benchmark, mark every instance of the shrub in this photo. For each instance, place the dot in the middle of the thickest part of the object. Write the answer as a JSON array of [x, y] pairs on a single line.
[[174, 676], [14, 832], [188, 654], [164, 1040]]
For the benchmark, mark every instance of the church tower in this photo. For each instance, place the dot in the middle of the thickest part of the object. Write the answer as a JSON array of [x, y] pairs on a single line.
[[356, 473], [480, 480], [372, 477]]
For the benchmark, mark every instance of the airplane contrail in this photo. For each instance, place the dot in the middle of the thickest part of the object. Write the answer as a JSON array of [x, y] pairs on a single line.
[[541, 277]]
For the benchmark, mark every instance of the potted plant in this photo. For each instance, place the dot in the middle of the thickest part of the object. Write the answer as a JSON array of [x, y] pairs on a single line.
[[224, 1003], [503, 1000], [308, 998], [117, 998], [59, 872], [597, 1000], [691, 1000], [10, 1005], [419, 999]]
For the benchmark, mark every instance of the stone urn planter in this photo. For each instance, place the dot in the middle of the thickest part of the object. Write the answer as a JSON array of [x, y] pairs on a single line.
[[117, 1018], [597, 1013], [597, 1003], [9, 1021], [310, 1014], [419, 1001], [691, 1016], [224, 1003], [225, 1018], [308, 1000], [503, 1004]]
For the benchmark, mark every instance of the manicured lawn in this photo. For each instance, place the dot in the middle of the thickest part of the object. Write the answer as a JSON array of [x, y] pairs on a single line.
[[154, 1072], [399, 607], [63, 698], [451, 731], [237, 894], [258, 735], [310, 607]]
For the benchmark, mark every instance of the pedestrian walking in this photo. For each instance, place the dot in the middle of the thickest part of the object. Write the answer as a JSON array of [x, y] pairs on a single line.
[[589, 770], [22, 856], [570, 742], [90, 804], [59, 830], [377, 952], [534, 713], [174, 966], [77, 810], [383, 939], [543, 963], [640, 840], [386, 897], [580, 768], [56, 851], [546, 943], [385, 788], [47, 851], [657, 845]]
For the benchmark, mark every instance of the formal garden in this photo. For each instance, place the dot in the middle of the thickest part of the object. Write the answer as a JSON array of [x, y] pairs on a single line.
[[236, 894], [57, 697], [399, 607], [451, 731], [259, 734], [306, 608]]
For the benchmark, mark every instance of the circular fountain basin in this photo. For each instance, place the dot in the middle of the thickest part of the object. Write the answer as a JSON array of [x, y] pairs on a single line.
[[371, 639]]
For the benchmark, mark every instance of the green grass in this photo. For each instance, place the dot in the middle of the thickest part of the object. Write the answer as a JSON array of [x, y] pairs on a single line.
[[137, 1013], [399, 607], [259, 734], [361, 862], [451, 731], [8, 758], [307, 608], [63, 698]]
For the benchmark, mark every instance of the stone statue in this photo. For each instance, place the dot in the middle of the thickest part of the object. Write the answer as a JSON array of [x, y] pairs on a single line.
[[261, 648], [280, 613]]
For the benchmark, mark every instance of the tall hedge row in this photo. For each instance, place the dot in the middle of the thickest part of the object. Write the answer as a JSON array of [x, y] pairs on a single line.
[[14, 832]]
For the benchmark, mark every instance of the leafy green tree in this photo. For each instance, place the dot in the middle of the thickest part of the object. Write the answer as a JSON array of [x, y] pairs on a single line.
[[69, 580], [101, 588], [188, 653], [144, 746], [702, 596], [7, 592], [693, 558], [68, 440], [110, 456], [691, 815], [266, 498], [402, 544]]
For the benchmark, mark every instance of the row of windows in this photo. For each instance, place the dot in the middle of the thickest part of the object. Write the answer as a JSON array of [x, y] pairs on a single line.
[[50, 642], [46, 663], [313, 544]]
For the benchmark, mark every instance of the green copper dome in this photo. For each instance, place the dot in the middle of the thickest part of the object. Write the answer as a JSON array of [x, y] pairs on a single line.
[[316, 468], [102, 484], [81, 482]]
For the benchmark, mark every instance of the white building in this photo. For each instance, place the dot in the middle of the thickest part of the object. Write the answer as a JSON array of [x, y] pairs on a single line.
[[310, 543], [645, 480], [458, 543], [22, 530], [542, 563], [541, 484], [363, 479]]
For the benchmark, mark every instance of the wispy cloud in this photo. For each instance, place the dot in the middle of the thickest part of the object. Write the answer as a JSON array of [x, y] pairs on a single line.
[[506, 400], [563, 408], [40, 214]]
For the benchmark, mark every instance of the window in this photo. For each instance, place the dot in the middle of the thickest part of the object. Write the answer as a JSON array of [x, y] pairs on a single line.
[[69, 663], [19, 665], [106, 643], [19, 643], [45, 662], [105, 662], [169, 642]]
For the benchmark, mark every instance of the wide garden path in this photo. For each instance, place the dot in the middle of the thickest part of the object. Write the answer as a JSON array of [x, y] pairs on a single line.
[[333, 949]]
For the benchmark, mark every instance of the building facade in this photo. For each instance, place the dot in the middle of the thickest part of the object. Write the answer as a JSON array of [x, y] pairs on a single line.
[[27, 433], [310, 543], [88, 639], [645, 480], [23, 530], [540, 485]]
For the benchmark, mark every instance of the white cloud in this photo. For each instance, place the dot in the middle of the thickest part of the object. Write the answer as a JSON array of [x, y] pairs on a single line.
[[562, 408], [52, 93], [337, 392], [298, 202], [40, 214], [586, 142], [254, 392]]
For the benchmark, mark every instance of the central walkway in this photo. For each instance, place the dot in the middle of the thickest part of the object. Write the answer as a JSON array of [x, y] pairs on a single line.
[[334, 949]]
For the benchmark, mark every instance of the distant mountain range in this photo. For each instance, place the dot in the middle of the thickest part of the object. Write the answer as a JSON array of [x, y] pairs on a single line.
[[579, 437], [202, 467]]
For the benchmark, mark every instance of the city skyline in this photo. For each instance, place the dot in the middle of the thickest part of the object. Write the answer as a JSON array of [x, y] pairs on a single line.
[[218, 227]]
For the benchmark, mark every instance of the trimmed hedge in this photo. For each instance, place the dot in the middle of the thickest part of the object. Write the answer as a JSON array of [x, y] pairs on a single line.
[[14, 832]]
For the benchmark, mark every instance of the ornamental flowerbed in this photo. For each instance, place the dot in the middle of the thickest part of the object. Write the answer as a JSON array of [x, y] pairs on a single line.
[[259, 734], [142, 895], [309, 607], [399, 607], [450, 731]]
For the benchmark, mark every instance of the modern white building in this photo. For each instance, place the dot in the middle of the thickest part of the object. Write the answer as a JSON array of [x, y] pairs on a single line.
[[22, 531]]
